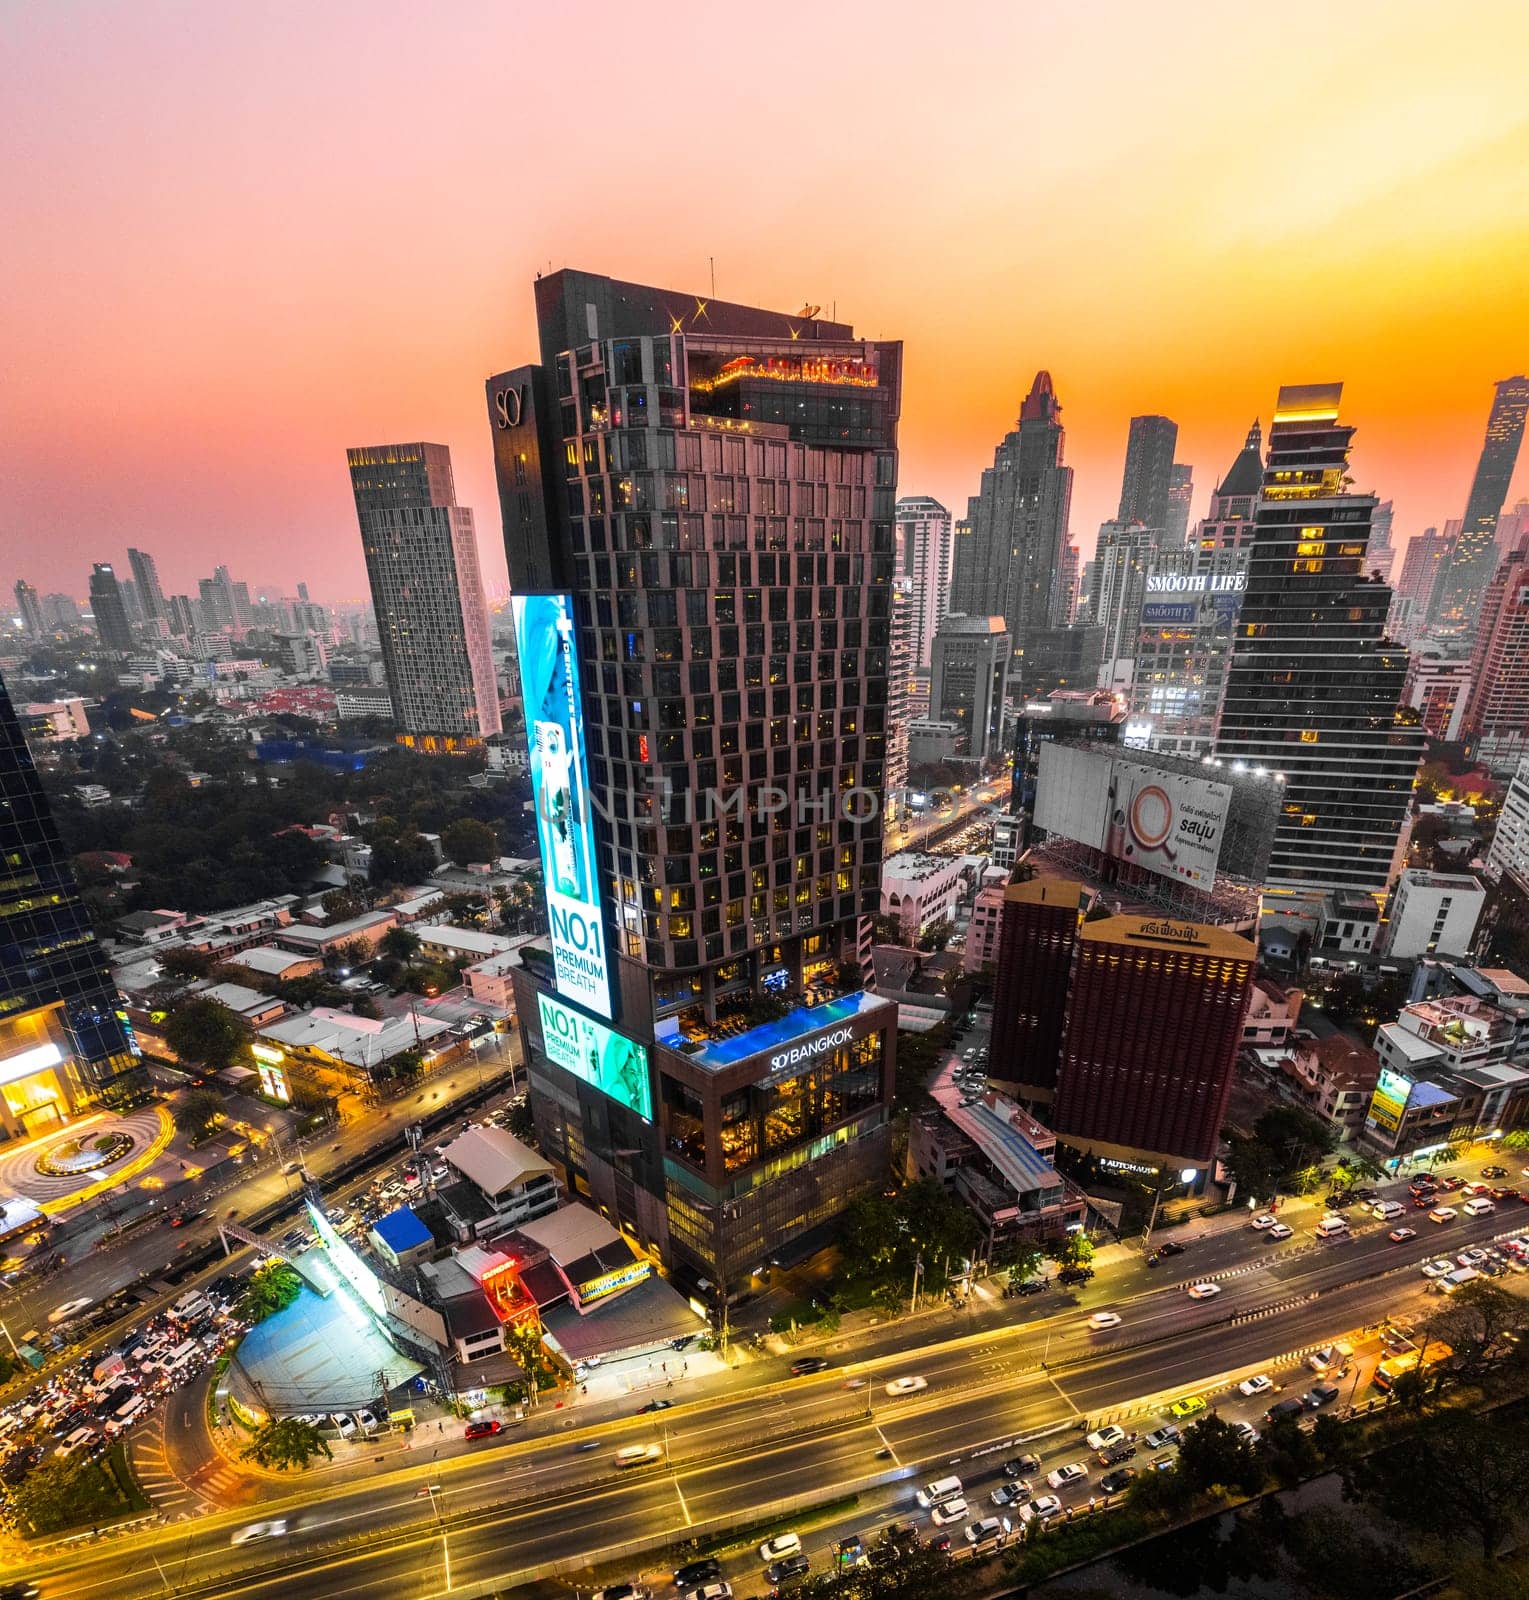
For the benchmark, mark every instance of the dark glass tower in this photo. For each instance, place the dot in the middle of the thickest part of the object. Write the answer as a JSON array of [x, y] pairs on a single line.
[[1011, 564], [110, 610], [1314, 685], [1146, 485], [63, 1040], [714, 486], [1474, 557]]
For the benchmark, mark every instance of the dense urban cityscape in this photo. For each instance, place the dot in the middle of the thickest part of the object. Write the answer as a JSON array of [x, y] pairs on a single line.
[[802, 1036]]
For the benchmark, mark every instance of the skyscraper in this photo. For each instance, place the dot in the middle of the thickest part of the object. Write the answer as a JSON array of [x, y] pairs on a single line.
[[146, 576], [422, 563], [30, 608], [1071, 577], [107, 607], [968, 679], [899, 672], [1147, 482], [1228, 525], [1011, 565], [1473, 560], [925, 546], [702, 595], [1121, 559], [1427, 558], [1381, 556], [1496, 717], [62, 1037], [1314, 685], [181, 614], [1181, 493]]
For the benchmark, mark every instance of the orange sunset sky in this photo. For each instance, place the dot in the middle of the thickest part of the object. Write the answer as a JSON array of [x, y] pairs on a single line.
[[243, 236]]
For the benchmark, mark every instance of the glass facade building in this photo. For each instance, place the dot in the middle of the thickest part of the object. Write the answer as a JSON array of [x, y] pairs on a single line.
[[64, 1039]]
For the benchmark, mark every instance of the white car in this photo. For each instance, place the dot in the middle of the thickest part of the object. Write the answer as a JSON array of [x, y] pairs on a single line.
[[948, 1511], [1042, 1509], [70, 1308], [256, 1531], [1204, 1291], [1280, 1231], [711, 1591], [1402, 1235], [1065, 1477], [1437, 1269], [1265, 1219], [781, 1546], [1247, 1431], [1259, 1385], [907, 1385], [1112, 1434], [1103, 1319]]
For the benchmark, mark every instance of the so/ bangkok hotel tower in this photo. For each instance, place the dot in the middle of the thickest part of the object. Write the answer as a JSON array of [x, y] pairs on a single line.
[[699, 510]]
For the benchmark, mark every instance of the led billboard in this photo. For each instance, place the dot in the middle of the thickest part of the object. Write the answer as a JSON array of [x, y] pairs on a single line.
[[600, 1056], [565, 825], [1389, 1104]]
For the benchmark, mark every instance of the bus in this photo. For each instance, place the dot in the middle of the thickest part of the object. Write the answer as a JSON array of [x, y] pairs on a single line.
[[1393, 1367]]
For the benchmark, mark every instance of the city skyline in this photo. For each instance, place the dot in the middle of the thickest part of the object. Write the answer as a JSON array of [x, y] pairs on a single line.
[[214, 340]]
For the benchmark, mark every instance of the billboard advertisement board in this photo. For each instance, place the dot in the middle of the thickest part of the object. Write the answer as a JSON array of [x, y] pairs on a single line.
[[1389, 1103], [599, 1055], [565, 824], [1169, 822]]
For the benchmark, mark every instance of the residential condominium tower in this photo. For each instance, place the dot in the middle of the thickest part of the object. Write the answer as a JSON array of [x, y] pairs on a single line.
[[1146, 485], [422, 563], [698, 502], [109, 610], [150, 596], [1012, 563], [1474, 558], [1314, 685], [925, 546]]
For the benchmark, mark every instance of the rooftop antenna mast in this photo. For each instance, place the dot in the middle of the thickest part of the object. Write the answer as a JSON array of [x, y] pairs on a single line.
[[713, 262]]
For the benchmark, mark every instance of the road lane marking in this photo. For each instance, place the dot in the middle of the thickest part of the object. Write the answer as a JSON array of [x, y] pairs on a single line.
[[891, 1448], [680, 1495]]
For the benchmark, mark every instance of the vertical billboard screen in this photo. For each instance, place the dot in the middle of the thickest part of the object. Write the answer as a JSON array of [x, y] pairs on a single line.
[[565, 824], [601, 1057], [1389, 1105]]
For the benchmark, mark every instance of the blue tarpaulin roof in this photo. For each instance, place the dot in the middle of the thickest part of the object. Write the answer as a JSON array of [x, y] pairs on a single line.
[[401, 1230]]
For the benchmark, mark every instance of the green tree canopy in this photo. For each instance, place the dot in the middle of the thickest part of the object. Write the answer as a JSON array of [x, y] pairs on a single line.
[[206, 1033], [1214, 1455], [65, 1492], [286, 1444], [272, 1288], [920, 1574], [401, 862], [196, 1112], [1073, 1250], [467, 840], [400, 943]]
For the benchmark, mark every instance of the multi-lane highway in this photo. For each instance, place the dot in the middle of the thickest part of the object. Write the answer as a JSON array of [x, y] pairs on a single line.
[[501, 1514]]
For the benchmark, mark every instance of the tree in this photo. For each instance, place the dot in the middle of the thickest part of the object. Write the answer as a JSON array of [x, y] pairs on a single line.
[[196, 1113], [467, 840], [285, 1443], [185, 963], [340, 905], [937, 935], [1027, 1263], [919, 1574], [400, 943], [1481, 1323], [520, 1122], [1456, 1473], [353, 953], [1290, 1451], [405, 1066], [1296, 1139], [272, 1288], [1073, 1250], [1214, 1455], [206, 1033], [64, 1492], [1253, 1166], [406, 860]]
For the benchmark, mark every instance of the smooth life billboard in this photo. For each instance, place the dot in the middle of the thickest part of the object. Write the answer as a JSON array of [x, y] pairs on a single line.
[[603, 1058], [565, 824]]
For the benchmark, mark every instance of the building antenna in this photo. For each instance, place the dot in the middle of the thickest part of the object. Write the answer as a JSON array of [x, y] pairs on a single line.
[[713, 261]]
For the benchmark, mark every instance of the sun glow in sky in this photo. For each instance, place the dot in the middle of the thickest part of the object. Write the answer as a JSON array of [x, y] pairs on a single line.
[[243, 237]]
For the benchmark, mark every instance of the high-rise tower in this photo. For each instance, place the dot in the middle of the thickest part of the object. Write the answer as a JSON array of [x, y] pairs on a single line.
[[698, 502], [1473, 560], [1012, 563], [1496, 719], [150, 596], [422, 563], [925, 545], [1147, 482], [1314, 685], [1181, 493], [30, 608], [109, 610]]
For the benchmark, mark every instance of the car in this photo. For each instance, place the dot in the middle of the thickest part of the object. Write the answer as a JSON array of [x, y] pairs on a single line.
[[1320, 1394], [1117, 1453], [1021, 1466], [1494, 1172], [1402, 1235], [1452, 1182], [1441, 1214], [808, 1365], [1065, 1477], [1265, 1219], [1112, 1433], [1474, 1257], [1167, 1434], [70, 1308], [1010, 1494], [1171, 1247], [1029, 1286], [1368, 1195], [1191, 1405], [1246, 1431], [623, 1591], [1501, 1192], [1280, 1231], [1114, 1482], [779, 1546], [1204, 1291], [638, 1455], [1421, 1202], [902, 1534], [1329, 1355], [707, 1570], [907, 1385], [1437, 1269], [655, 1405], [1041, 1509], [481, 1430], [25, 1590], [948, 1511], [254, 1532], [721, 1590], [1070, 1275], [1474, 1191], [1102, 1320], [1257, 1385]]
